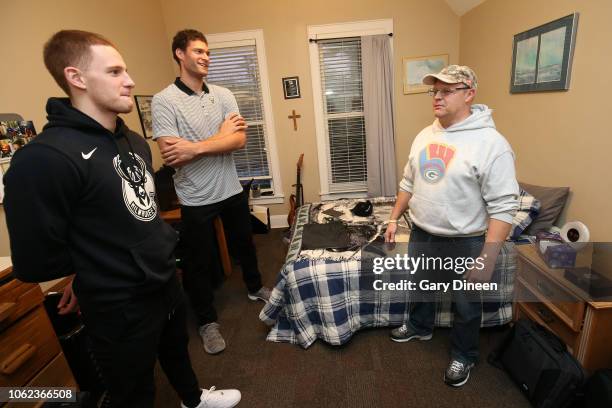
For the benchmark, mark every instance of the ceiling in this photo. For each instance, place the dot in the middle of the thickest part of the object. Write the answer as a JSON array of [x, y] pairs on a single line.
[[460, 7]]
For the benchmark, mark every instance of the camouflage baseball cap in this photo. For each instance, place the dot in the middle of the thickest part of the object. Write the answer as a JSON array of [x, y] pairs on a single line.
[[453, 74]]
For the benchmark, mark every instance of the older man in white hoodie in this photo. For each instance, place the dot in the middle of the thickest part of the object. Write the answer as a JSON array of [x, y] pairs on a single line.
[[460, 188]]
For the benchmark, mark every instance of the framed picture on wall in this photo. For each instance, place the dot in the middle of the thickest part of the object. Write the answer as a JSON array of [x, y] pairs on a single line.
[[542, 56], [415, 68], [291, 87], [143, 104]]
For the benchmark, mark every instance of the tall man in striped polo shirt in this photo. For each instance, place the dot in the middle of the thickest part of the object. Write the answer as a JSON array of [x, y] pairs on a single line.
[[197, 127]]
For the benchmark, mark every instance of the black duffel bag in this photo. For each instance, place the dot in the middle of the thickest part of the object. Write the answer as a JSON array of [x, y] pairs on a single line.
[[598, 390], [539, 363]]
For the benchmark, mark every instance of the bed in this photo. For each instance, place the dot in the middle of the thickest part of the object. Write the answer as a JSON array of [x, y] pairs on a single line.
[[320, 294]]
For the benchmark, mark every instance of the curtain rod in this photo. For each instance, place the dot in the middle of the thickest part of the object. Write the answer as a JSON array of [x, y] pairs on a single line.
[[314, 40]]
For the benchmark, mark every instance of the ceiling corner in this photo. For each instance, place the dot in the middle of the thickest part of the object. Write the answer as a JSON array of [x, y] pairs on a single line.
[[460, 7]]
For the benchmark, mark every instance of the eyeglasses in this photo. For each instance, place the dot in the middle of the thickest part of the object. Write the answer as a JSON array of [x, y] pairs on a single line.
[[445, 92]]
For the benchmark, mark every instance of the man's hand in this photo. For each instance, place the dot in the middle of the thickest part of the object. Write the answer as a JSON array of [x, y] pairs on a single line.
[[488, 256], [234, 123], [69, 302], [496, 235], [177, 152], [483, 275], [401, 205], [390, 232]]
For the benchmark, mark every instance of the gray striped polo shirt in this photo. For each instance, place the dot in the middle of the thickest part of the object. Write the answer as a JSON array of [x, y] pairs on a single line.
[[180, 112]]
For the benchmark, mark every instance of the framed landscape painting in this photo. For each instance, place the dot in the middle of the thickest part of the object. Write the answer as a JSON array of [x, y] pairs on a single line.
[[415, 68], [542, 56]]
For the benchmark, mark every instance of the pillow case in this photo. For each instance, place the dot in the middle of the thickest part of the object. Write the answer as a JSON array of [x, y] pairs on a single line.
[[528, 210], [552, 200]]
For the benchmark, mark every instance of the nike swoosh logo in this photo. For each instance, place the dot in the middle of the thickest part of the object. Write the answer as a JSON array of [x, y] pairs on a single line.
[[88, 155]]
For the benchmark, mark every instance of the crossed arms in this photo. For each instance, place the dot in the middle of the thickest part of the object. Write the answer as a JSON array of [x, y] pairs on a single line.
[[176, 151]]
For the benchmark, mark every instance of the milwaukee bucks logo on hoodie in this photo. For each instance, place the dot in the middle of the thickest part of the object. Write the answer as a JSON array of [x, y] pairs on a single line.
[[137, 185]]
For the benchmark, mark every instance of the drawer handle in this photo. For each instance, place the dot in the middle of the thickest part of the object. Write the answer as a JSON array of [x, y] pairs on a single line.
[[6, 309], [17, 358], [545, 315], [546, 291]]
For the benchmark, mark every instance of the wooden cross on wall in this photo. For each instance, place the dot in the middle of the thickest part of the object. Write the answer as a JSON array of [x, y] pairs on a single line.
[[295, 118]]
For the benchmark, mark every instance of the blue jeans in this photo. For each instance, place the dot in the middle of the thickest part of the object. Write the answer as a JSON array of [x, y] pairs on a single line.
[[467, 306]]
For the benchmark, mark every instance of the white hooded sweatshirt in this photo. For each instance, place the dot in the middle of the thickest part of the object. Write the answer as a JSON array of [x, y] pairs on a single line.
[[461, 176]]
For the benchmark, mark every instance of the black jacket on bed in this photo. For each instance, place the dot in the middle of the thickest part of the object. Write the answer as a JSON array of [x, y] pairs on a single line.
[[81, 199]]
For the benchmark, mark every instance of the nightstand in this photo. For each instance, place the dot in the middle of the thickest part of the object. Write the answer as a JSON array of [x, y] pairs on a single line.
[[30, 353], [544, 295]]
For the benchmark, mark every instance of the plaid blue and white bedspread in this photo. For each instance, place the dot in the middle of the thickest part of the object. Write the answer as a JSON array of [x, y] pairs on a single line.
[[330, 298]]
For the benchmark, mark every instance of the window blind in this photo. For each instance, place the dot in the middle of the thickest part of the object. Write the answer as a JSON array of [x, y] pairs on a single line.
[[340, 64], [237, 69]]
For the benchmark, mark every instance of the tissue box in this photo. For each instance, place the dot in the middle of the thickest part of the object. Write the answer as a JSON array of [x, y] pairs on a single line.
[[557, 254]]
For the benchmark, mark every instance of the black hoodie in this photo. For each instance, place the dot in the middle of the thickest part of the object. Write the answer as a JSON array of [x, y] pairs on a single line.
[[81, 199]]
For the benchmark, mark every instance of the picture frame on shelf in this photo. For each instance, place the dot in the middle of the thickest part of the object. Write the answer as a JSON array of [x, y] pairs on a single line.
[[291, 87], [143, 105], [14, 134], [415, 68], [542, 57]]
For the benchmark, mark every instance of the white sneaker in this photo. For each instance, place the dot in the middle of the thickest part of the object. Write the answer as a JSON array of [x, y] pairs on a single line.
[[218, 398], [262, 294], [211, 338]]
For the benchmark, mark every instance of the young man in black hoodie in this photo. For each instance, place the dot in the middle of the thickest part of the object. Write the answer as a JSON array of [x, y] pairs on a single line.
[[80, 199]]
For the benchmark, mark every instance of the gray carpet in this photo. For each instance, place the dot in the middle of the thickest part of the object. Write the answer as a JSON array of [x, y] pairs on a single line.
[[370, 371]]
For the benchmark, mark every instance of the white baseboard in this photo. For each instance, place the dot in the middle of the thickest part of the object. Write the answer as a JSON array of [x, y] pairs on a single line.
[[278, 221]]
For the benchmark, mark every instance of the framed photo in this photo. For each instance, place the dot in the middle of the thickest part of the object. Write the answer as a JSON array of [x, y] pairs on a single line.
[[143, 104], [14, 134], [415, 68], [291, 87], [542, 56]]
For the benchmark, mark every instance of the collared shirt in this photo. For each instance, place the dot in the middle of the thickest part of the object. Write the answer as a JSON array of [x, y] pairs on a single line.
[[178, 111]]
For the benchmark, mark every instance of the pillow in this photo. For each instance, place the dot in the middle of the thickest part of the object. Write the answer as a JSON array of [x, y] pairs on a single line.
[[528, 210], [552, 200]]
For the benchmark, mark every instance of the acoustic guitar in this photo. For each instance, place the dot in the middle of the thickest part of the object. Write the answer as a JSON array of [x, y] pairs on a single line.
[[296, 200]]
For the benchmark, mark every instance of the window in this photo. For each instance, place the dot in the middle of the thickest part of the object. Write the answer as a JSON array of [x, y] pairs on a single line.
[[340, 65], [335, 57], [238, 64]]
